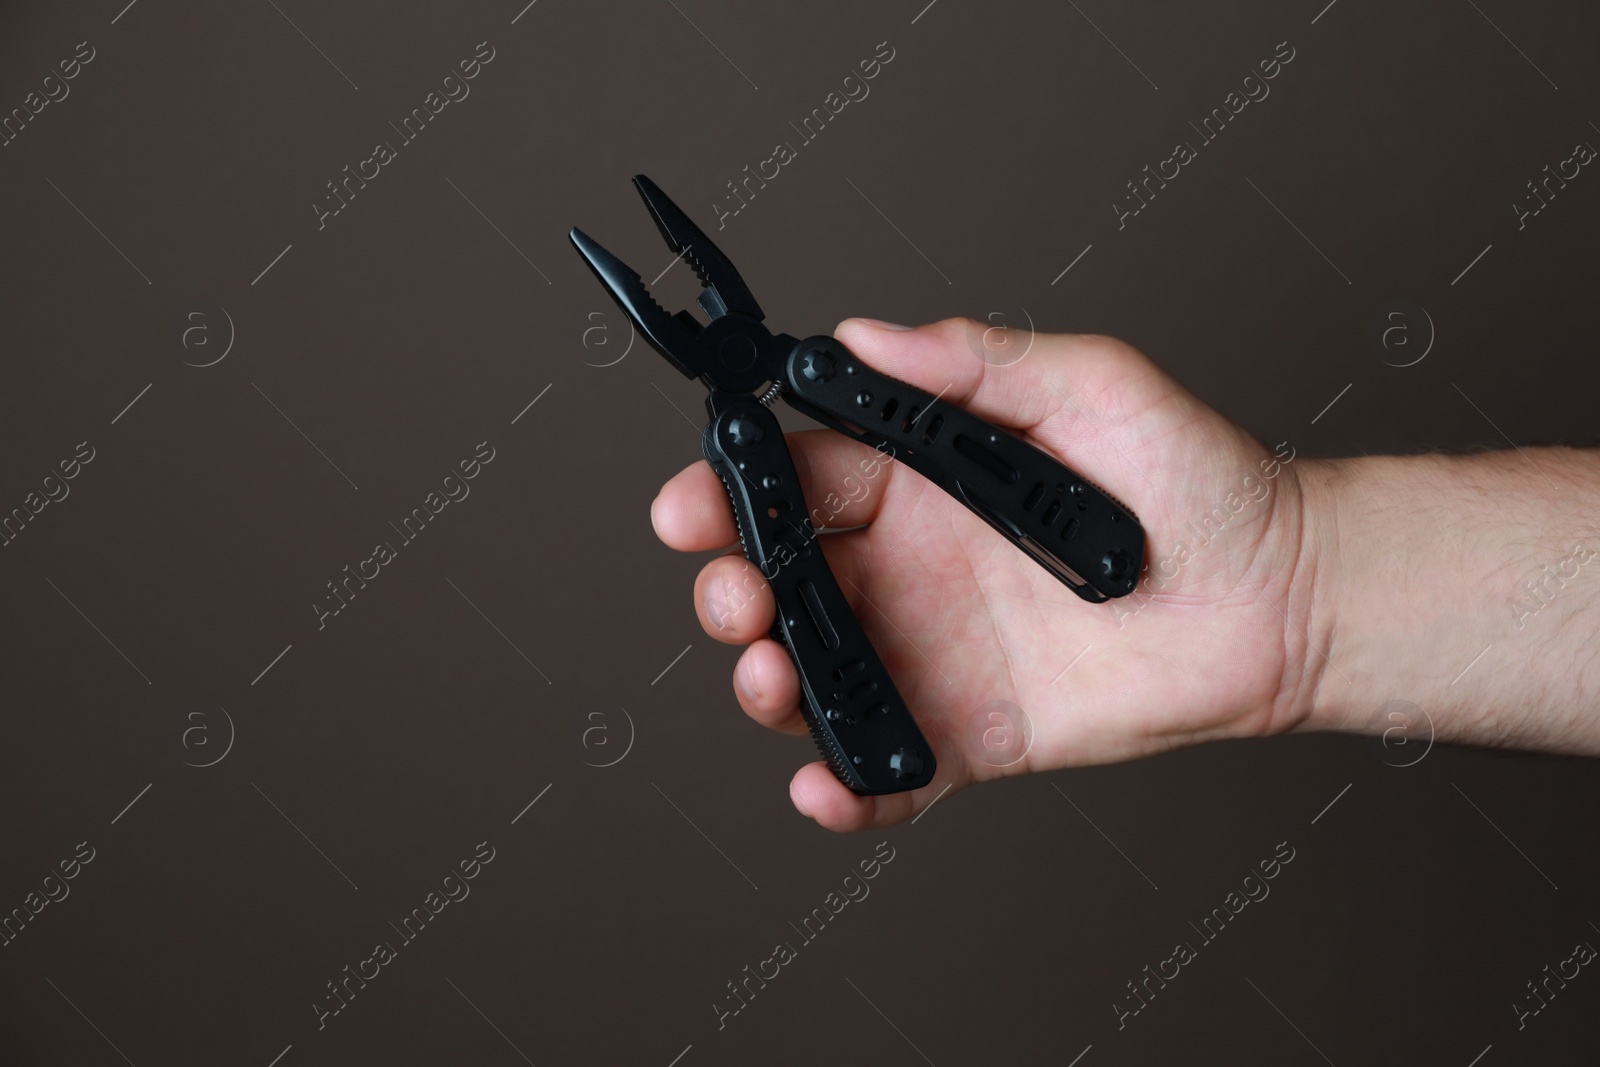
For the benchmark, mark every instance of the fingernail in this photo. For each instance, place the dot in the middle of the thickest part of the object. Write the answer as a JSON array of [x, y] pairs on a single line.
[[881, 325], [746, 677], [717, 603]]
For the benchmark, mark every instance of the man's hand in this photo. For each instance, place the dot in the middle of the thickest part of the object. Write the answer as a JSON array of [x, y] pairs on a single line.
[[1214, 643]]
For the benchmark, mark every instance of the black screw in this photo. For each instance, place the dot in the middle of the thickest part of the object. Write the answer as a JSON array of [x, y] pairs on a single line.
[[905, 763], [1116, 565], [864, 398], [745, 432], [817, 366]]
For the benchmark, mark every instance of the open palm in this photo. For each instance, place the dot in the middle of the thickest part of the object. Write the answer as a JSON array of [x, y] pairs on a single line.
[[1005, 669]]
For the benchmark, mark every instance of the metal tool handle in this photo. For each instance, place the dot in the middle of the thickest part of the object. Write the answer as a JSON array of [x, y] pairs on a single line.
[[857, 718], [1064, 521]]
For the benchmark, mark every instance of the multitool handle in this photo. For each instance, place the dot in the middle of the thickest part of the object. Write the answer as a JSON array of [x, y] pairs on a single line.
[[856, 715], [1063, 520]]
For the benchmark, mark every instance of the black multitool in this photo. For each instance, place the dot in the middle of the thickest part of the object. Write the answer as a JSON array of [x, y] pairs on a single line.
[[1080, 534]]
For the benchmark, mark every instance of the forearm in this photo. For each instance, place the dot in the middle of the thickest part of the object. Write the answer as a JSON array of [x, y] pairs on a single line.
[[1467, 585]]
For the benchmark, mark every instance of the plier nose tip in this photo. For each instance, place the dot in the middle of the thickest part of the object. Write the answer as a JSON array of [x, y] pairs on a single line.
[[667, 334], [725, 287]]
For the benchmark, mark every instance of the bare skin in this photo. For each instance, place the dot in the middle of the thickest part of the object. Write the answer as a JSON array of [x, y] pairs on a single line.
[[1280, 593]]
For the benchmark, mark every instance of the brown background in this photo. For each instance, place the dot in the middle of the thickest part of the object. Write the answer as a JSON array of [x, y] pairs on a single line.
[[408, 330]]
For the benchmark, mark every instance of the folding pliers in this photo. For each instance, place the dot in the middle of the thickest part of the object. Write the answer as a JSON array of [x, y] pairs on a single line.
[[1077, 532]]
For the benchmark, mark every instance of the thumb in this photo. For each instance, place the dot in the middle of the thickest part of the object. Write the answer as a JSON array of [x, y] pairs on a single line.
[[1091, 400], [1010, 377]]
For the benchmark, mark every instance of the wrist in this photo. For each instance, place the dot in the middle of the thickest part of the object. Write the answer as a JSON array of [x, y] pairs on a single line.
[[1410, 572], [1388, 616], [1317, 593]]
